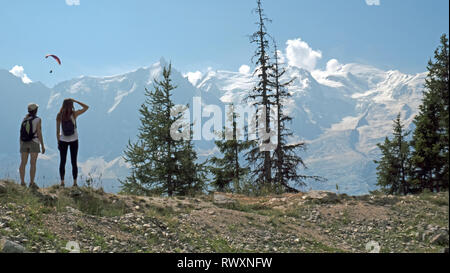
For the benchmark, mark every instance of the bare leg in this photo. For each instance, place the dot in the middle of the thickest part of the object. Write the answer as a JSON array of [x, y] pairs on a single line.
[[23, 164], [33, 160]]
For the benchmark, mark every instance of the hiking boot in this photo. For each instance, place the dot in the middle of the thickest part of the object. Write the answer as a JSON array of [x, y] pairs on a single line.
[[33, 186]]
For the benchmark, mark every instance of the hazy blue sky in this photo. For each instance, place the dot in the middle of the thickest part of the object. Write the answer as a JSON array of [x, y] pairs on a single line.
[[106, 37]]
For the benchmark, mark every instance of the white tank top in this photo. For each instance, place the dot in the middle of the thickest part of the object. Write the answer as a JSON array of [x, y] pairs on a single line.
[[35, 123], [71, 138]]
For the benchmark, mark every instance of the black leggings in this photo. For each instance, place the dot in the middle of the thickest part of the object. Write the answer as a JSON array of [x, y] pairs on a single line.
[[62, 147]]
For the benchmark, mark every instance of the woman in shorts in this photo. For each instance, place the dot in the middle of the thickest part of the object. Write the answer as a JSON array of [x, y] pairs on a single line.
[[30, 147]]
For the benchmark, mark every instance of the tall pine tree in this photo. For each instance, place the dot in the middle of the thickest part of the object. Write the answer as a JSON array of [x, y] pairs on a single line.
[[430, 158], [286, 161], [259, 157], [159, 163], [393, 168]]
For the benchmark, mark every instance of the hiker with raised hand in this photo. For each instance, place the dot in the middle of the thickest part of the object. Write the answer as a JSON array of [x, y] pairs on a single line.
[[30, 138], [66, 121]]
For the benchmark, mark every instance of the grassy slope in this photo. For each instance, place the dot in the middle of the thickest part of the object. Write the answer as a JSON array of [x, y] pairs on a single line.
[[46, 220]]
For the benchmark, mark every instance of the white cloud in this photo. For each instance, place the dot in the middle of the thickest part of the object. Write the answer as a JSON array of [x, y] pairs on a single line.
[[244, 69], [193, 77], [18, 71], [281, 57], [373, 2], [99, 167], [300, 54], [333, 66], [73, 2]]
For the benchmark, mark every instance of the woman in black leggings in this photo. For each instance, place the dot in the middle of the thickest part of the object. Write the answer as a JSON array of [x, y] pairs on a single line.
[[66, 121]]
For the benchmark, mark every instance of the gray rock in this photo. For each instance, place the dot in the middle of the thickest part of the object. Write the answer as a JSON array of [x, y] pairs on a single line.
[[7, 230], [439, 239], [97, 249], [2, 187], [425, 235], [322, 197], [7, 246], [222, 199], [73, 211], [47, 198], [75, 193], [6, 219]]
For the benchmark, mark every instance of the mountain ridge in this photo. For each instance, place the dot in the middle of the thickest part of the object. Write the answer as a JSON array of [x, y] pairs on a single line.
[[341, 113]]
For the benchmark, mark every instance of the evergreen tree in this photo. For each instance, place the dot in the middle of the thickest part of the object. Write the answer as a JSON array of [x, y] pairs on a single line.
[[228, 170], [286, 158], [386, 169], [402, 150], [394, 169], [430, 158], [159, 163], [259, 157], [191, 176]]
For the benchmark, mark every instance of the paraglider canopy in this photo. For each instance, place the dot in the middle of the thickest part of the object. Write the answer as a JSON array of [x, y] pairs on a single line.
[[54, 57]]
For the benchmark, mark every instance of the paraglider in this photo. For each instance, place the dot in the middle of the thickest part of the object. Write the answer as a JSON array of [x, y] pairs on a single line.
[[58, 60], [54, 57]]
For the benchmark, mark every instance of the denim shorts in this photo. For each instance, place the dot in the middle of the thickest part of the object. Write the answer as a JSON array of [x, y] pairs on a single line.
[[30, 147]]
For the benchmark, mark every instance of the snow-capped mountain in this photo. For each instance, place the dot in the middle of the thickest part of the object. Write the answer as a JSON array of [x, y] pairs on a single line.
[[112, 120], [13, 107], [341, 113]]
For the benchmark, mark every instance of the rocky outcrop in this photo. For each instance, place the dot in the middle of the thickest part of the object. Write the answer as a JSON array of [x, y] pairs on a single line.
[[221, 199], [440, 239], [7, 246], [322, 197], [2, 187]]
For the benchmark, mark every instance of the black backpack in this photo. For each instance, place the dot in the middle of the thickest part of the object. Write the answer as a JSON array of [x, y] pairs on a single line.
[[68, 127], [26, 129]]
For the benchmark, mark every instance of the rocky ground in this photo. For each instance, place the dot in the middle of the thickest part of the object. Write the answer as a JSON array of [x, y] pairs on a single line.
[[48, 219]]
